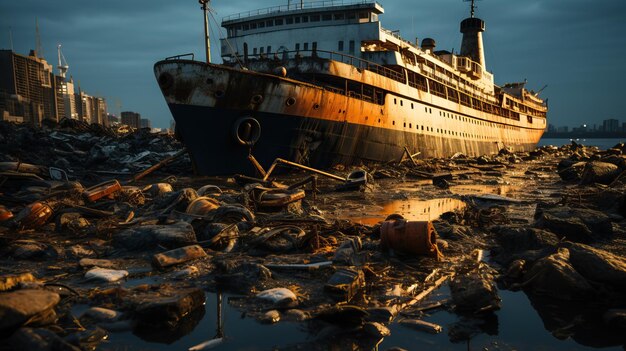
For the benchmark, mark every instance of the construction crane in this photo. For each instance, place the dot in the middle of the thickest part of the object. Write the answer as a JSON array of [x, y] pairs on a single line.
[[63, 66]]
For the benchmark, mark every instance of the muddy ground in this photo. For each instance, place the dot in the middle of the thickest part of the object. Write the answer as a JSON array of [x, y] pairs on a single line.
[[137, 265]]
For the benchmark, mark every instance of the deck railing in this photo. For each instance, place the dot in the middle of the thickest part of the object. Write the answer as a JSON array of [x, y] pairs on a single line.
[[297, 5], [336, 56]]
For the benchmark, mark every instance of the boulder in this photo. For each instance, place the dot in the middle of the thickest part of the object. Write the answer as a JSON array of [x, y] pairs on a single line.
[[598, 265], [178, 256], [150, 236], [555, 277], [168, 307], [27, 307], [571, 173], [475, 292], [514, 241], [32, 250], [575, 224], [599, 172]]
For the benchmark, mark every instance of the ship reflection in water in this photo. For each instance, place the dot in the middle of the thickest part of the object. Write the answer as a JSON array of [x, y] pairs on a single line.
[[411, 209]]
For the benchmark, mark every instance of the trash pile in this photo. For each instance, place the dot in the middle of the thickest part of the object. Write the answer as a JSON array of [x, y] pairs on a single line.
[[76, 149], [140, 254]]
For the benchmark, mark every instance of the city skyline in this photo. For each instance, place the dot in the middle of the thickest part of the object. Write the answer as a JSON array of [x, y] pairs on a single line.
[[113, 46]]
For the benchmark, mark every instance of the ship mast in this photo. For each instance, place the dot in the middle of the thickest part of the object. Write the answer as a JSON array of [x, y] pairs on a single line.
[[207, 39]]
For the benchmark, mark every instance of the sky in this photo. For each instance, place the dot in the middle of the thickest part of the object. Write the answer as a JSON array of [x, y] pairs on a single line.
[[576, 47]]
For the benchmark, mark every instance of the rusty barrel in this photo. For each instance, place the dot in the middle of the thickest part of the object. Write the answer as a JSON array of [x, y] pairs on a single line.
[[34, 215], [5, 214], [413, 237], [102, 190]]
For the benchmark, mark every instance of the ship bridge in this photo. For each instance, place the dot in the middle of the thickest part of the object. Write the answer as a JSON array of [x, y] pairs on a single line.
[[338, 26]]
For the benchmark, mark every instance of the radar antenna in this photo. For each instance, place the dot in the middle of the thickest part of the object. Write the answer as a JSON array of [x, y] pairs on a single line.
[[473, 7]]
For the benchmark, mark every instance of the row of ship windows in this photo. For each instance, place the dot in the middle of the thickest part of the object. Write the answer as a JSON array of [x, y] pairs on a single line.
[[444, 131], [340, 16], [457, 117], [305, 47]]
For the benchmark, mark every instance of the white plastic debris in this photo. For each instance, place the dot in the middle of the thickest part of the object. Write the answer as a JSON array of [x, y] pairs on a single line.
[[207, 344], [277, 295], [107, 275]]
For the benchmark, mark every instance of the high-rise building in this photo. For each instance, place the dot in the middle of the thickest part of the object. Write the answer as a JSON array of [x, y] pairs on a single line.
[[113, 119], [610, 125], [146, 123], [131, 119], [30, 87]]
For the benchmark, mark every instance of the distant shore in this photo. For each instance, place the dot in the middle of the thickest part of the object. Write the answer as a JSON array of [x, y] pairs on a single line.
[[585, 135]]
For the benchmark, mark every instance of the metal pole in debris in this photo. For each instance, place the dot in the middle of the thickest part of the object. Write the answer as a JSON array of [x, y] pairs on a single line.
[[159, 165], [297, 165], [207, 39]]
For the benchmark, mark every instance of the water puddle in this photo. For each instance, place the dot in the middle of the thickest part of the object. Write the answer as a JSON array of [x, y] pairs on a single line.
[[517, 326], [411, 209], [474, 189]]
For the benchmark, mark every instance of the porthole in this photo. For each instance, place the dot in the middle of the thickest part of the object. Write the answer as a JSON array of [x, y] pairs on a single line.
[[219, 94], [257, 99], [290, 101], [316, 106]]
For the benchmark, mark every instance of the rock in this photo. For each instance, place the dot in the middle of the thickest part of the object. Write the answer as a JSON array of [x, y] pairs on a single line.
[[597, 265], [104, 274], [167, 308], [188, 272], [599, 172], [178, 256], [8, 282], [475, 292], [32, 250], [376, 330], [280, 297], [92, 262], [296, 315], [572, 173], [150, 236], [382, 314], [37, 340], [575, 224], [515, 240], [555, 277], [345, 283], [270, 317], [100, 314], [27, 307], [80, 251]]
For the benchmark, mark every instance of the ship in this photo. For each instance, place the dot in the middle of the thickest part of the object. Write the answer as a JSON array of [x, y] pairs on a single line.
[[323, 83]]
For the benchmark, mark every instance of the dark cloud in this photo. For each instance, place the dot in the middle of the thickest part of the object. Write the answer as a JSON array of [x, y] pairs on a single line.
[[575, 46]]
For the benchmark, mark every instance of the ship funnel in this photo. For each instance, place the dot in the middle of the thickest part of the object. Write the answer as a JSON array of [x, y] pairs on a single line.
[[472, 45], [429, 44]]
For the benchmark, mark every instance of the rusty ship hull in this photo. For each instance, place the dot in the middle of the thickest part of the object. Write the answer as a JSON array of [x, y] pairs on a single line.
[[315, 125]]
